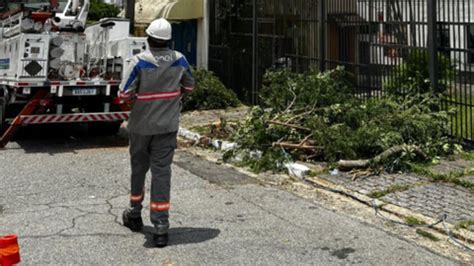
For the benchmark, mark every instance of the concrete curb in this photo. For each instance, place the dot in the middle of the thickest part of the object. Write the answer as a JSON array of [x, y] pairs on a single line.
[[197, 138]]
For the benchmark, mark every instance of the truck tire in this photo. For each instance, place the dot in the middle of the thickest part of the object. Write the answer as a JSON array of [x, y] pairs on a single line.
[[104, 128]]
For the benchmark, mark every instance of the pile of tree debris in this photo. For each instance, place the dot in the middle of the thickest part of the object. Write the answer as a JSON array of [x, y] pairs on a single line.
[[321, 117]]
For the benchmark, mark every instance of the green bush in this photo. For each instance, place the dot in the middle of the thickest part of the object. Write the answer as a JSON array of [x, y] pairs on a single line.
[[100, 10], [209, 93], [413, 75]]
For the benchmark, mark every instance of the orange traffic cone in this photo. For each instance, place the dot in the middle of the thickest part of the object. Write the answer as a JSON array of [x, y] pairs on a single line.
[[9, 250]]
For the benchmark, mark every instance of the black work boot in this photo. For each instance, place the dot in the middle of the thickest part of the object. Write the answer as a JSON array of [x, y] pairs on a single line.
[[133, 223], [160, 236], [161, 241]]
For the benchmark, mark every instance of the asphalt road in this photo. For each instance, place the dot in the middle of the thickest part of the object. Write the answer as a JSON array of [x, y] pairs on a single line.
[[64, 195]]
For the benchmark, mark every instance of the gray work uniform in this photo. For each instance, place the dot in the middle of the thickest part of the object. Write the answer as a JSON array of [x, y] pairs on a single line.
[[155, 84]]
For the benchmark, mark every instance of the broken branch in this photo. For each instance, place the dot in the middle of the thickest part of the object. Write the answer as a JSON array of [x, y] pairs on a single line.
[[306, 139], [363, 164], [296, 146], [288, 125]]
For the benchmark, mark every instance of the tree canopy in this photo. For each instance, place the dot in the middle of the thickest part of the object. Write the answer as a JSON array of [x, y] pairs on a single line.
[[101, 10]]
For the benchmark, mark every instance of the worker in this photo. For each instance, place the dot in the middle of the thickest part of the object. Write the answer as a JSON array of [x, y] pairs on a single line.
[[154, 85]]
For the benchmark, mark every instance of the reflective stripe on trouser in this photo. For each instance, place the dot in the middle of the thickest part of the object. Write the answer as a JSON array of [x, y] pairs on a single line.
[[153, 153]]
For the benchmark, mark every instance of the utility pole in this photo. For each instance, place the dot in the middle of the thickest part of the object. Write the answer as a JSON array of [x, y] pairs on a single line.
[[130, 14]]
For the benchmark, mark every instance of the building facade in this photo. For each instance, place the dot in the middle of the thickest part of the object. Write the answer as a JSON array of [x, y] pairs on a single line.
[[190, 22]]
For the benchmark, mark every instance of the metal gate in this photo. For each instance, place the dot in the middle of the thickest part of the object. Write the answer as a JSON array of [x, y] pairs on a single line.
[[371, 38]]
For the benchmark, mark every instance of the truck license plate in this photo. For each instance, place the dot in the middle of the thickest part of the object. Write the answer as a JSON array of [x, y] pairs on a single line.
[[84, 92]]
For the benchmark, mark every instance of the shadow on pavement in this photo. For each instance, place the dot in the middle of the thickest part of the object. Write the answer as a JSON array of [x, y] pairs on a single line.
[[182, 235], [60, 138]]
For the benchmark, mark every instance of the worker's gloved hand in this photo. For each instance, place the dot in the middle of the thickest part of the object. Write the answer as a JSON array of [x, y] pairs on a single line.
[[125, 97]]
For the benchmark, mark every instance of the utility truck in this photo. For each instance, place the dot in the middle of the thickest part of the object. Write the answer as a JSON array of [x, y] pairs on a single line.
[[54, 69]]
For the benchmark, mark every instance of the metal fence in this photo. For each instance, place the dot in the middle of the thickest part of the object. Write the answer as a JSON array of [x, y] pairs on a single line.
[[370, 38]]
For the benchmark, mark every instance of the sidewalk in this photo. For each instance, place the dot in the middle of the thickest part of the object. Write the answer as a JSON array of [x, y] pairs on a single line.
[[414, 192]]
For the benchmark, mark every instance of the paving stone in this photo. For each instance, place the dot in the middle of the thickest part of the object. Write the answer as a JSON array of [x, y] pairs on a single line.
[[469, 178], [425, 197], [457, 207], [446, 167], [372, 184], [463, 163]]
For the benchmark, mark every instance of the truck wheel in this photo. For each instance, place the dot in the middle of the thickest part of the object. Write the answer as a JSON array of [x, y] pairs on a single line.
[[104, 128]]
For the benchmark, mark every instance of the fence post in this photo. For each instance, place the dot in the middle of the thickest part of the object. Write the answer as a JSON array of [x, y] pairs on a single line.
[[433, 44], [254, 51], [322, 35]]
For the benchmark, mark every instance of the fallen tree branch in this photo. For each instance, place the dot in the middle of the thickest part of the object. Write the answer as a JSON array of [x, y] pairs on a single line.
[[357, 173], [306, 139], [288, 125], [347, 165], [298, 117], [296, 146], [292, 102]]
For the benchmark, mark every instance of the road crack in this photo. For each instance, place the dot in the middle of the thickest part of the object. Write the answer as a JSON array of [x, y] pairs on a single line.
[[111, 207], [74, 221]]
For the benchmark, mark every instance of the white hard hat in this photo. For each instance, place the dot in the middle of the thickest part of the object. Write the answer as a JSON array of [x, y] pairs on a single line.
[[160, 29]]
